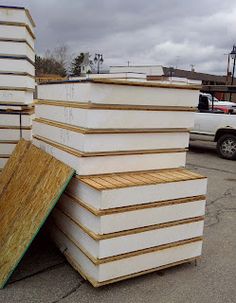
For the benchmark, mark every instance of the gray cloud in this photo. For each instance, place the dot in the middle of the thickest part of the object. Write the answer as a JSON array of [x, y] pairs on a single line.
[[174, 32]]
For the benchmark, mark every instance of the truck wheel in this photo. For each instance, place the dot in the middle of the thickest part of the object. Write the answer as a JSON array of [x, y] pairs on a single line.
[[226, 147]]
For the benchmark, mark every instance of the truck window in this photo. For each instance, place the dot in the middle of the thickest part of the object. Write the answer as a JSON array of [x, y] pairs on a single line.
[[203, 104]]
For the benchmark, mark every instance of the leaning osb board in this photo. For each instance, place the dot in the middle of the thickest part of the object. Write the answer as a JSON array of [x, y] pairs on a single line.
[[30, 185]]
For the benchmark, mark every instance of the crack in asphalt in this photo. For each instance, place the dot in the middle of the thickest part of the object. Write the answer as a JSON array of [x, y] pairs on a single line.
[[38, 272], [214, 210], [70, 292]]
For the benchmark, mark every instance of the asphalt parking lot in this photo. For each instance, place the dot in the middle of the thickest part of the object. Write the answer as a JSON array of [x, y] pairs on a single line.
[[45, 276]]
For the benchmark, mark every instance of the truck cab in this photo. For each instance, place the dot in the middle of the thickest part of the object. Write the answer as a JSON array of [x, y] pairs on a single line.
[[214, 124]]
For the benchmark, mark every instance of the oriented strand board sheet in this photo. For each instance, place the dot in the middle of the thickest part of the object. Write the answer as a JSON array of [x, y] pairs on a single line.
[[30, 185]]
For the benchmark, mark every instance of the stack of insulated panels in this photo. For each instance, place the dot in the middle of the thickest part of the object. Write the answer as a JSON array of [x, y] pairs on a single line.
[[132, 208], [15, 123], [17, 82]]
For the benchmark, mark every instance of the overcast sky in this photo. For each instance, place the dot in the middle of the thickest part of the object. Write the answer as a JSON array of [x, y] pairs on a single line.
[[167, 32]]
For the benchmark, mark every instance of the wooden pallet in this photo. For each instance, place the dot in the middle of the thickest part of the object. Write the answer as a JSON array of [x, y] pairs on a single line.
[[97, 284]]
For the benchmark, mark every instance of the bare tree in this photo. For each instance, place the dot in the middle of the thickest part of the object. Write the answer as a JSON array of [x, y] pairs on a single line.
[[54, 61]]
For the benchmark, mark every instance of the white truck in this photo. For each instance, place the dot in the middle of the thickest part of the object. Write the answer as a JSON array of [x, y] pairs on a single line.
[[214, 125]]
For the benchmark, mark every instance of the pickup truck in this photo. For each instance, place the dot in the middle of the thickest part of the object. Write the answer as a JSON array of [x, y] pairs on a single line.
[[214, 125]]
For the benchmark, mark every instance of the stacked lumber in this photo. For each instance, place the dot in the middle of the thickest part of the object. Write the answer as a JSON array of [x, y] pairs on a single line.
[[132, 208], [16, 78]]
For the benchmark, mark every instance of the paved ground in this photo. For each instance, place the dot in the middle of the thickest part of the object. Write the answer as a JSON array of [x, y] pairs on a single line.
[[44, 275]]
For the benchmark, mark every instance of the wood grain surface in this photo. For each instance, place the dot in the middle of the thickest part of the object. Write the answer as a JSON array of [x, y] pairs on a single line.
[[78, 153], [84, 130], [113, 181], [30, 185], [92, 105], [146, 83]]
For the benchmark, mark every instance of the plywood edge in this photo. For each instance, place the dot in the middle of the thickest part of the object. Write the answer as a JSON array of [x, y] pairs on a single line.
[[104, 212], [91, 105], [99, 237], [16, 107], [5, 156], [78, 153], [145, 84], [23, 112], [179, 169], [84, 130], [97, 261], [20, 24], [7, 88], [96, 284], [16, 127], [9, 141], [30, 17]]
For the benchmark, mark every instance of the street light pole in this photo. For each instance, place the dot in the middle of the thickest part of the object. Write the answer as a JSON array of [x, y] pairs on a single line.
[[233, 56], [99, 60]]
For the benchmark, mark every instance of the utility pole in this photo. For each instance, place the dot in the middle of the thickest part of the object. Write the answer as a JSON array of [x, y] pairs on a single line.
[[233, 56]]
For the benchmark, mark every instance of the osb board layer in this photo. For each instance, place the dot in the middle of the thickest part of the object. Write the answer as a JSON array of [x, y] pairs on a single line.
[[30, 185], [78, 153], [84, 130], [116, 210], [113, 181], [91, 105], [146, 83]]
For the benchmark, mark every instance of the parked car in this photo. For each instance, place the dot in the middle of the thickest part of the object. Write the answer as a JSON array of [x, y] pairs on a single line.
[[213, 103], [213, 124]]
